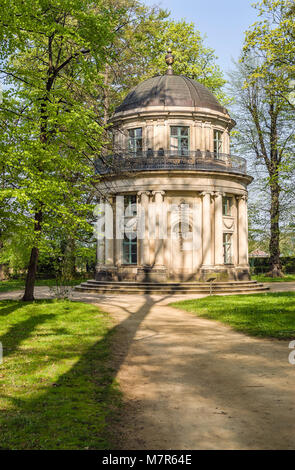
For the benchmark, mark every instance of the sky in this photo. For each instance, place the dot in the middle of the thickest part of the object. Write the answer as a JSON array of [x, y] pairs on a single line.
[[222, 21]]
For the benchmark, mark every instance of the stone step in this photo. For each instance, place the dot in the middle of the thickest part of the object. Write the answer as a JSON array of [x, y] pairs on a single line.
[[180, 290], [124, 287], [169, 284]]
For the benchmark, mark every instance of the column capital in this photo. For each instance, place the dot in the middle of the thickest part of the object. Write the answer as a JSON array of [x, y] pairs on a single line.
[[142, 193], [218, 194], [207, 193], [243, 197], [147, 193], [158, 192]]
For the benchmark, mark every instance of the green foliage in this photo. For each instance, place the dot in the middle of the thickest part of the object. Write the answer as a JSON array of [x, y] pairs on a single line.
[[140, 54], [263, 278], [265, 115], [65, 66], [51, 131], [272, 40]]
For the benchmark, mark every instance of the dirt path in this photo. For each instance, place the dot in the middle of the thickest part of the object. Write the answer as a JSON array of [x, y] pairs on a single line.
[[190, 383]]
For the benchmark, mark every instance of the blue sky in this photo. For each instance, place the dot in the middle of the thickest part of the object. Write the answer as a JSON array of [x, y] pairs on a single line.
[[223, 21]]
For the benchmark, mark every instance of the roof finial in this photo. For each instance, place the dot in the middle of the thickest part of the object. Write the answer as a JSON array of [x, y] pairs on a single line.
[[169, 61]]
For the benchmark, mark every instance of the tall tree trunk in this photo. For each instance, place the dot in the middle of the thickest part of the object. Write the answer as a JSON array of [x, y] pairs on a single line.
[[32, 268], [274, 244]]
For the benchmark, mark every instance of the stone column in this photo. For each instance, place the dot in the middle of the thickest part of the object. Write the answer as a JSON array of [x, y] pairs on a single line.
[[159, 245], [100, 236], [218, 229], [235, 233], [144, 227], [243, 230], [206, 229], [109, 233], [197, 234], [198, 135], [208, 130], [226, 148]]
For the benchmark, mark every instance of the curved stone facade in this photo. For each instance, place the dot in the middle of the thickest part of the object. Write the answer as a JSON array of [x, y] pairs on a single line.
[[186, 221]]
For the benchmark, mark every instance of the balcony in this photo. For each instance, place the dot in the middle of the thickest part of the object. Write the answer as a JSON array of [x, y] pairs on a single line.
[[152, 160]]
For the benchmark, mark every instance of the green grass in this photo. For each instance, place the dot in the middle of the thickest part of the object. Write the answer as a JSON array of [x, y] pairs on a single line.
[[266, 315], [263, 278], [56, 387], [19, 284]]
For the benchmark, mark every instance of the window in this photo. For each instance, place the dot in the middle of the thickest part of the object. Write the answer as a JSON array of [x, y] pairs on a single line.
[[129, 250], [130, 235], [227, 248], [226, 205], [135, 141], [130, 205], [217, 143], [179, 140]]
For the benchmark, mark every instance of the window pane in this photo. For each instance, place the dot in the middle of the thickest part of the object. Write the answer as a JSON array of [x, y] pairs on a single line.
[[184, 131], [174, 143], [134, 258], [125, 254], [138, 145], [135, 140], [226, 205], [179, 139]]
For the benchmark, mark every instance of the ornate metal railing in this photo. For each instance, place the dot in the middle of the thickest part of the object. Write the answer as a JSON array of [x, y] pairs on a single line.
[[122, 162]]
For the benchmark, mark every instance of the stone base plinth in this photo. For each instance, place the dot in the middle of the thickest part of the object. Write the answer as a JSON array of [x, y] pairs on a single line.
[[106, 273], [224, 274], [160, 274], [152, 274]]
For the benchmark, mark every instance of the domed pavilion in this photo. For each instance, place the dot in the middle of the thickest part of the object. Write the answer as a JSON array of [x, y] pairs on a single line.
[[173, 198]]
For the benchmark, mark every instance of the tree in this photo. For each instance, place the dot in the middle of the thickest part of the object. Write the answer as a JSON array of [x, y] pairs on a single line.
[[265, 130], [139, 52], [66, 66], [269, 59], [51, 54], [272, 42]]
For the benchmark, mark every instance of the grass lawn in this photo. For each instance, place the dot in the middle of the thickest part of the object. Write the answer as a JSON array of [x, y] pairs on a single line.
[[263, 278], [19, 284], [56, 387], [266, 315]]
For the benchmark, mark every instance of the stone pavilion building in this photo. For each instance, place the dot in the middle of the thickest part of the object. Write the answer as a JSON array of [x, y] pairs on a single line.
[[172, 175]]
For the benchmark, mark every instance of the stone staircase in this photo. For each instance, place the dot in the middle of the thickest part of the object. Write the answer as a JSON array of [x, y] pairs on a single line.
[[171, 288]]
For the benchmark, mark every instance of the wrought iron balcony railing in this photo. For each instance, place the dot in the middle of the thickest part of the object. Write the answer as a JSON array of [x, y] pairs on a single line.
[[161, 159]]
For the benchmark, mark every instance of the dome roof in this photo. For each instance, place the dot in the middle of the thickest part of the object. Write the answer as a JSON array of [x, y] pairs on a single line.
[[170, 90]]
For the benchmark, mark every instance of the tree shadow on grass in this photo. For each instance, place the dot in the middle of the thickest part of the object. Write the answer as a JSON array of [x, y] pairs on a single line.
[[21, 331], [9, 306], [73, 412]]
